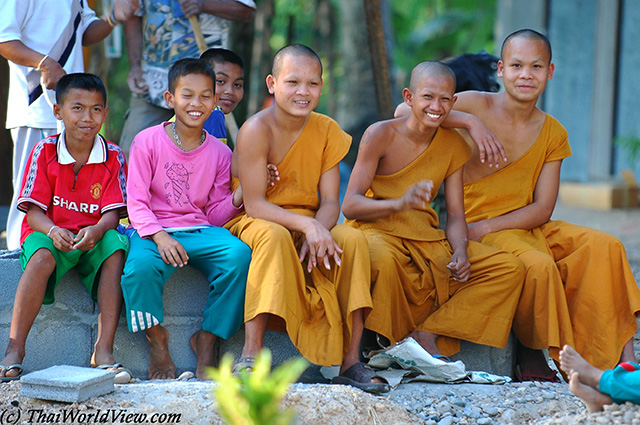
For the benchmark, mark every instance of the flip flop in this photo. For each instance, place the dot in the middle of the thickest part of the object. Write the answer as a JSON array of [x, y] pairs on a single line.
[[243, 364], [6, 369], [360, 375], [123, 375], [529, 376]]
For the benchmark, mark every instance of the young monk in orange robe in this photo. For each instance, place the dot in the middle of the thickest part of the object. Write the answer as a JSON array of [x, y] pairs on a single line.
[[579, 289], [427, 284], [322, 303]]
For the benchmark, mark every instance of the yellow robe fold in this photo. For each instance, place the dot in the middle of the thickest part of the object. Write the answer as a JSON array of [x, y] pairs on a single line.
[[412, 287], [315, 309], [579, 289]]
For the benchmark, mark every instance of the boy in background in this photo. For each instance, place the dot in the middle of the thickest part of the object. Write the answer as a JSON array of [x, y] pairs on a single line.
[[229, 69], [73, 192]]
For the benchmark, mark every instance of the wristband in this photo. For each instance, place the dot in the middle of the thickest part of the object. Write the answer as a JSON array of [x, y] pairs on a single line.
[[111, 19], [41, 62], [51, 230]]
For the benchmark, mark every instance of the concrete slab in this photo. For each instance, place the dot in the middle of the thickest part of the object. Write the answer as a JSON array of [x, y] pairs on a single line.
[[67, 383]]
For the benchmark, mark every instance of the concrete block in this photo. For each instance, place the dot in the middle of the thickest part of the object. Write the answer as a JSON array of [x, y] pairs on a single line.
[[72, 296], [67, 383], [55, 341], [499, 361], [185, 293], [130, 349]]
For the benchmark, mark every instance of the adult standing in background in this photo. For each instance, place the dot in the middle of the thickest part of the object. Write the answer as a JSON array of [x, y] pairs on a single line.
[[160, 34], [42, 40]]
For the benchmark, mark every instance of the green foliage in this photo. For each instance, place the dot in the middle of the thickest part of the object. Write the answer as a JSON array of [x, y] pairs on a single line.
[[254, 398], [630, 143], [438, 29]]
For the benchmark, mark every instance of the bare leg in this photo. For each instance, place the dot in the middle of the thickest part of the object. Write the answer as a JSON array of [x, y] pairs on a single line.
[[27, 303], [427, 340], [160, 364], [353, 354], [594, 399], [628, 354], [110, 305], [254, 334], [571, 361], [203, 344]]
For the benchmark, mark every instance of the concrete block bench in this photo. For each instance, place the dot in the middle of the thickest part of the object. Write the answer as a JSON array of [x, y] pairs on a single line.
[[64, 332]]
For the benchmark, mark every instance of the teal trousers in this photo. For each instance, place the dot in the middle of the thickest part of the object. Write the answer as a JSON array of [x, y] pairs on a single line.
[[224, 260]]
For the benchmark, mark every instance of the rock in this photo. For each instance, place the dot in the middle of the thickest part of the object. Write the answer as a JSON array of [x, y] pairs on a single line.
[[490, 410], [443, 407], [447, 420]]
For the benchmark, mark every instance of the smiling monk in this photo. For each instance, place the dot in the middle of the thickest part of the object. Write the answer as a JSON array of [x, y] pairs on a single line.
[[579, 289]]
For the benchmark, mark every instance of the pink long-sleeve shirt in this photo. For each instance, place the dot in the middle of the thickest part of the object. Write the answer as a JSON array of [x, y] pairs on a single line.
[[169, 188]]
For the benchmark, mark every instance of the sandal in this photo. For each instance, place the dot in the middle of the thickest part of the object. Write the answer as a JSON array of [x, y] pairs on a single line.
[[123, 375], [243, 364], [360, 375], [18, 367]]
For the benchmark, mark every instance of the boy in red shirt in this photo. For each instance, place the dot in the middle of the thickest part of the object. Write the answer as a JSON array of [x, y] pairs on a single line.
[[74, 192]]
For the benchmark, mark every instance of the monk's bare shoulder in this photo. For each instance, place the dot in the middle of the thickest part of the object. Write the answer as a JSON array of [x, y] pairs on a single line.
[[256, 130]]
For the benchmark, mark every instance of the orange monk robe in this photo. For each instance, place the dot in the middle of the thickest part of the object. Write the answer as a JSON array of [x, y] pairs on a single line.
[[315, 309], [579, 289], [412, 287]]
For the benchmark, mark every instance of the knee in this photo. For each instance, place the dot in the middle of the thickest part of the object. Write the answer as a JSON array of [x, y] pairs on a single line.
[[43, 260], [272, 234], [239, 254]]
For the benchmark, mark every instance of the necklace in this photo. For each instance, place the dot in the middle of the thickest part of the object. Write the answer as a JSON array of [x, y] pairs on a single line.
[[175, 134]]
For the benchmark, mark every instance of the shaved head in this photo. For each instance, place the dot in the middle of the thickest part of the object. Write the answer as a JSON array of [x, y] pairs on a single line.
[[293, 50], [430, 69], [527, 34]]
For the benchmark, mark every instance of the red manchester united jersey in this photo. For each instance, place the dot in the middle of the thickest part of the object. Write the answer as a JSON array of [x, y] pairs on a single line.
[[73, 201]]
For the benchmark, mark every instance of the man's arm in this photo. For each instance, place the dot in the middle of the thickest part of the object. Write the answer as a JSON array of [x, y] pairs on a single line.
[[360, 207], [457, 233], [18, 53], [133, 37], [226, 9], [528, 217], [99, 29]]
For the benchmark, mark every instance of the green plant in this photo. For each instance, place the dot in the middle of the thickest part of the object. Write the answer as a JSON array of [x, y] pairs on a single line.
[[254, 398], [630, 143]]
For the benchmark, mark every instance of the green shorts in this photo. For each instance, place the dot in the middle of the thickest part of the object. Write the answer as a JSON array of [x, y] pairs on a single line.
[[87, 263]]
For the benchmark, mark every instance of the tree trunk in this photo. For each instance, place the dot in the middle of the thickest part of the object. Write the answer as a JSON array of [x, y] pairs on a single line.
[[356, 109]]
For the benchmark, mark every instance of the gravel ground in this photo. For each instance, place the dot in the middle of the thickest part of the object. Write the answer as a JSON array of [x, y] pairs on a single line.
[[413, 403]]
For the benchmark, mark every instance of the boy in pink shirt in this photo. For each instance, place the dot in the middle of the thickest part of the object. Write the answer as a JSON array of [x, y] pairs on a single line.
[[179, 197]]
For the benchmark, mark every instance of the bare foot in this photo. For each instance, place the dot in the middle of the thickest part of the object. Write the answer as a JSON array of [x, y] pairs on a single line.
[[203, 344], [160, 364], [101, 358], [594, 399], [427, 340], [571, 361], [10, 359]]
